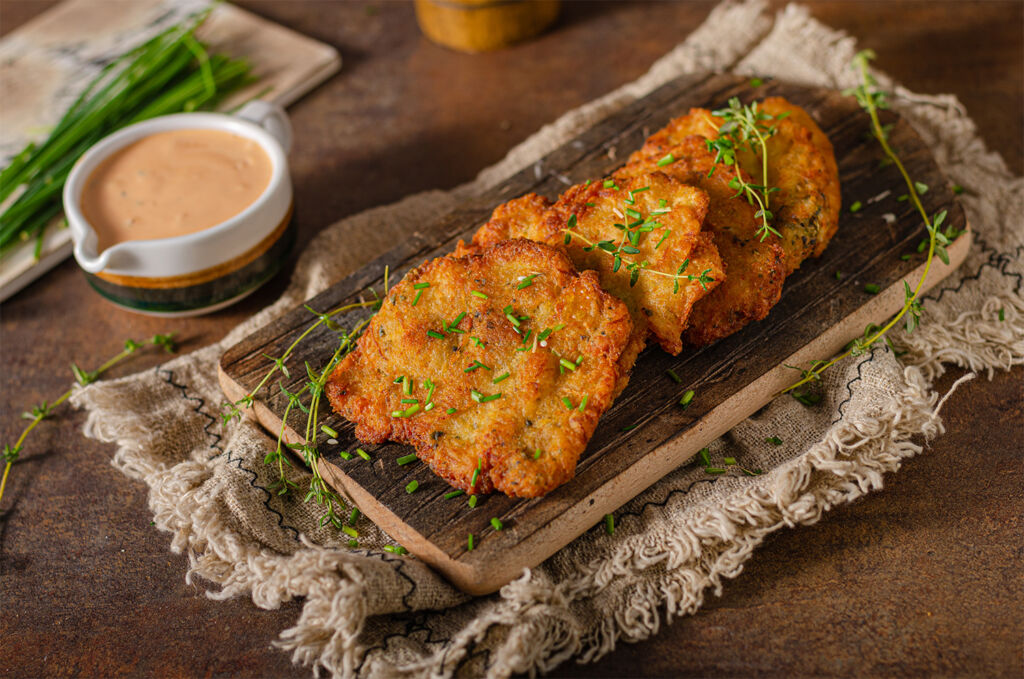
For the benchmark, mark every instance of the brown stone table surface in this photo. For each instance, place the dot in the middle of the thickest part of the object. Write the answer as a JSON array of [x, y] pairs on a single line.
[[922, 578]]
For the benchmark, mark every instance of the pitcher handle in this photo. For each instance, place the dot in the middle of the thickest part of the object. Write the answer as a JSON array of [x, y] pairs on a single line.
[[271, 118]]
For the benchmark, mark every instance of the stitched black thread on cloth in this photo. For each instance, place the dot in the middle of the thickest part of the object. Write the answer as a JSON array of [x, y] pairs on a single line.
[[168, 376]]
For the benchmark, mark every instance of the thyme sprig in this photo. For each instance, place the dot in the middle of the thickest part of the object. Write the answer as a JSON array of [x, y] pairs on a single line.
[[42, 411], [872, 99], [319, 491], [744, 128]]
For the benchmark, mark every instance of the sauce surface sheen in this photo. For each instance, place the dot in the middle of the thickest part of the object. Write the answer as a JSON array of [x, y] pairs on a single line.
[[173, 183]]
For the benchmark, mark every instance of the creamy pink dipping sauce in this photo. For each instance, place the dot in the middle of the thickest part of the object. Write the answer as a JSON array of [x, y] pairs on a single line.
[[173, 183]]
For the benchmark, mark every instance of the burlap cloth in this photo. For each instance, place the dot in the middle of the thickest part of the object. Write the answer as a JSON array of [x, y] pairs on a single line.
[[371, 613]]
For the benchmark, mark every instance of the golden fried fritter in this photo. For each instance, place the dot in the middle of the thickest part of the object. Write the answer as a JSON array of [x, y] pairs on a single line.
[[754, 268], [510, 358], [637, 233], [801, 164]]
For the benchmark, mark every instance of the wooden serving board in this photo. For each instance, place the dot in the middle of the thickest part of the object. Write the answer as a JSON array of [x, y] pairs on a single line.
[[46, 63], [817, 315]]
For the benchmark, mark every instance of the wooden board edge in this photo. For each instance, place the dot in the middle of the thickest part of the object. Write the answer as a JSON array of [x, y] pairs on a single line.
[[482, 572]]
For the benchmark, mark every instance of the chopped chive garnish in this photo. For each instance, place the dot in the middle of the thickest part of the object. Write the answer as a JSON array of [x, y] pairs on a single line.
[[633, 213], [327, 430], [499, 378], [416, 299], [492, 397], [957, 189], [629, 427], [421, 286], [396, 413], [1002, 315], [609, 524], [906, 257], [667, 160], [454, 493], [729, 461], [399, 379], [406, 459], [407, 386], [583, 403], [512, 319], [353, 517], [662, 202], [435, 334], [749, 472], [714, 470], [412, 486], [458, 319], [756, 82], [477, 293], [663, 237], [475, 395], [839, 275], [675, 378], [567, 402], [687, 397], [567, 364], [589, 204], [410, 400], [526, 282], [872, 289], [345, 455], [396, 549], [496, 523], [474, 365], [469, 543], [477, 341], [856, 206], [350, 531], [450, 411], [608, 183], [353, 544], [476, 476], [411, 410], [774, 440], [705, 456], [536, 454], [363, 454], [472, 500], [427, 408]]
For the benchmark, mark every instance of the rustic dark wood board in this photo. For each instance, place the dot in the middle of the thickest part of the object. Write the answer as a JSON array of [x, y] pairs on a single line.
[[816, 316]]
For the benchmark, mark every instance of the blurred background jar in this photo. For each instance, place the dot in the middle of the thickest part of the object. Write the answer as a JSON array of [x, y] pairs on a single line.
[[484, 25]]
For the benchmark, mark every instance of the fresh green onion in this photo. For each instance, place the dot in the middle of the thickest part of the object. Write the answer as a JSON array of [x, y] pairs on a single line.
[[410, 400], [472, 500], [363, 454], [407, 386], [499, 378], [353, 544], [416, 299], [567, 364], [469, 543], [526, 282], [435, 334], [686, 399], [667, 160], [421, 286], [566, 402], [412, 486], [675, 378], [705, 456], [477, 293], [856, 206], [496, 523], [872, 288], [714, 470], [327, 430], [729, 461], [609, 524], [406, 459], [350, 531], [396, 549], [774, 440], [454, 493], [583, 403], [345, 455], [353, 517], [451, 411], [536, 454]]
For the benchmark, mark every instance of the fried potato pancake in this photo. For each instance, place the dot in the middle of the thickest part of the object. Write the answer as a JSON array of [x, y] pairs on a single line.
[[801, 164], [510, 358], [636, 232], [754, 268]]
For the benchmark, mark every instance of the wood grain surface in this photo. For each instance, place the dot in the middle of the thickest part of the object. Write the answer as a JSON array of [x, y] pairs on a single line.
[[921, 578], [818, 313]]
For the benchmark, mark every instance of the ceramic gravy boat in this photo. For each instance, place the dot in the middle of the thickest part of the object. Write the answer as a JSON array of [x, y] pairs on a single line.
[[198, 272]]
